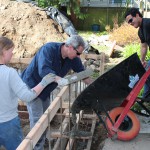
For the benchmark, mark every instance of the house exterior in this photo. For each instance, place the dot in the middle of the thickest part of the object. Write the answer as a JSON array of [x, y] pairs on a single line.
[[115, 3], [104, 3], [107, 12]]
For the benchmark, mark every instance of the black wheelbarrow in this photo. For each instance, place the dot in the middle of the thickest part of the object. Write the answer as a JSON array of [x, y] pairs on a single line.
[[114, 93]]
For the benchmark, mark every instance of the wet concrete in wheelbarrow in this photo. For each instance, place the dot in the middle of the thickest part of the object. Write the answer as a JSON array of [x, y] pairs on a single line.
[[141, 142]]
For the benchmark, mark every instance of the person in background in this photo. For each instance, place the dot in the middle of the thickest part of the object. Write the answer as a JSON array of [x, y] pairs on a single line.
[[135, 18], [56, 58], [11, 88]]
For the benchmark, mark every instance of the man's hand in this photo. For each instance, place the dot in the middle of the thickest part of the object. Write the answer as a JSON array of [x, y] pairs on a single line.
[[62, 82], [144, 63], [49, 78]]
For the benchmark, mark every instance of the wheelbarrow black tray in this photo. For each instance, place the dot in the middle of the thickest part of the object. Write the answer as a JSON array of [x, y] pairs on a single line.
[[110, 89]]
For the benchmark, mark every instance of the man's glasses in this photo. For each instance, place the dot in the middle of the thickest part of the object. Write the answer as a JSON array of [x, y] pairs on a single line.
[[77, 52], [130, 20]]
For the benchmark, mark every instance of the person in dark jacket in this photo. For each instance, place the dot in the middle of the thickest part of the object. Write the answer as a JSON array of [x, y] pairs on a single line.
[[135, 18], [58, 59]]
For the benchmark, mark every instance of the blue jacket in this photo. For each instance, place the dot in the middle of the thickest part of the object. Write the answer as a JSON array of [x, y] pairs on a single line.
[[48, 60]]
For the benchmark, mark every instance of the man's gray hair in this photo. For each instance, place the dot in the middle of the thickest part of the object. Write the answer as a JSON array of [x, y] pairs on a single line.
[[75, 41]]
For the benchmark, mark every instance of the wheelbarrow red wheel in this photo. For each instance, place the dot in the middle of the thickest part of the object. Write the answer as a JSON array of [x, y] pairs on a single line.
[[128, 129]]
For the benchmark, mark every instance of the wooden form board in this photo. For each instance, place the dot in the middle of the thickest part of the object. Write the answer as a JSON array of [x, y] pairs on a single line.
[[100, 57], [61, 142], [39, 128], [20, 61], [28, 60], [112, 49], [33, 136]]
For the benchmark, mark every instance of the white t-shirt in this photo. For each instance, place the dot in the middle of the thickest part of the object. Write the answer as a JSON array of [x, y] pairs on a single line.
[[12, 88]]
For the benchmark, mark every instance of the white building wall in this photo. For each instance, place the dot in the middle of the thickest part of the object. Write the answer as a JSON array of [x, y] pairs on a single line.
[[104, 3]]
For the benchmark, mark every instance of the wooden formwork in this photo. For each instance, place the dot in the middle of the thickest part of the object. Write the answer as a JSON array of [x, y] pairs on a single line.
[[100, 57], [60, 108], [22, 62]]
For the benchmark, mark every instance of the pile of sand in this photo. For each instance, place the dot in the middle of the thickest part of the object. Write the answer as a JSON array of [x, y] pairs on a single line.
[[28, 26]]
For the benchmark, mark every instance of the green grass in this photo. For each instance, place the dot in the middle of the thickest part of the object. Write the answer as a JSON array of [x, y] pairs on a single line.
[[87, 34], [131, 49]]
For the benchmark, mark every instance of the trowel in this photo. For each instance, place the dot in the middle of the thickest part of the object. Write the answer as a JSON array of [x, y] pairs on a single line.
[[78, 76]]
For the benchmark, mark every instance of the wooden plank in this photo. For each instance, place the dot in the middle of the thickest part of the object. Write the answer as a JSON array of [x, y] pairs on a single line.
[[92, 131], [117, 47], [92, 56], [56, 104], [38, 129], [23, 114], [90, 116], [21, 103], [87, 116], [102, 62], [22, 107], [42, 124], [58, 135], [112, 48], [61, 142], [53, 108], [64, 93], [25, 145], [66, 105], [70, 144], [20, 61]]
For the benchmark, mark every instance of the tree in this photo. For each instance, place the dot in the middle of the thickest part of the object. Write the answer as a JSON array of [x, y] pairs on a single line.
[[73, 7]]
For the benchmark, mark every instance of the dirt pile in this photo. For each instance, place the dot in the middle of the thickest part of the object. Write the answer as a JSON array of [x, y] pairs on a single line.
[[28, 26], [125, 34]]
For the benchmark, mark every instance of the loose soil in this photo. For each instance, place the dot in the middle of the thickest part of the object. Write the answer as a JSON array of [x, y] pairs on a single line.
[[28, 26]]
